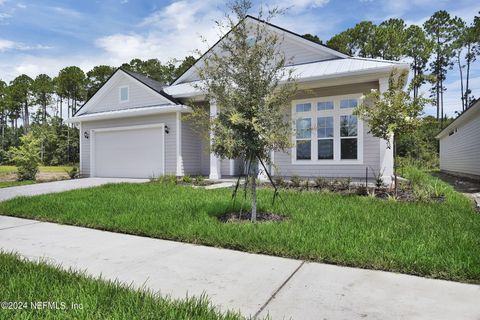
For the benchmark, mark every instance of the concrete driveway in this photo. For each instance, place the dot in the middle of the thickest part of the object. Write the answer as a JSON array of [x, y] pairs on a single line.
[[59, 186], [254, 284]]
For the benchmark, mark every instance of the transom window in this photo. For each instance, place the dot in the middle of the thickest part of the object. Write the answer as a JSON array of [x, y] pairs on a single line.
[[124, 94], [328, 132], [348, 103], [304, 107]]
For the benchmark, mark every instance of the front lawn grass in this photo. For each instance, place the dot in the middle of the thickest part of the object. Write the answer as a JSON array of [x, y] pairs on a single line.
[[440, 240], [7, 184], [23, 283], [13, 169]]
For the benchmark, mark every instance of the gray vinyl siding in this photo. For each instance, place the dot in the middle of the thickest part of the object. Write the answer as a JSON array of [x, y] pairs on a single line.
[[170, 144], [460, 152], [371, 146], [191, 149], [139, 96]]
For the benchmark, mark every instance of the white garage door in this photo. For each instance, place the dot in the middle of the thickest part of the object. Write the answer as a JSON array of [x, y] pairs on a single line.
[[128, 152]]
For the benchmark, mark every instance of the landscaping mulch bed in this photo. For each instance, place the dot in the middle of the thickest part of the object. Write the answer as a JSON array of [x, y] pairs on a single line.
[[246, 216]]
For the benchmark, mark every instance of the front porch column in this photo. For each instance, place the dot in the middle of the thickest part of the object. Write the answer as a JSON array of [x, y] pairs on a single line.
[[386, 155], [215, 165]]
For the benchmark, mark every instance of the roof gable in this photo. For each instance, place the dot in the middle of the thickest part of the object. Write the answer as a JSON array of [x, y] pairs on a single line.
[[142, 92], [297, 49]]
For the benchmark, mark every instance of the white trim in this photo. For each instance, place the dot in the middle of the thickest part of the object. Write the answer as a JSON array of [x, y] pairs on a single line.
[[179, 170], [80, 139], [109, 86], [120, 94], [335, 113], [232, 167], [124, 128], [215, 162], [136, 112]]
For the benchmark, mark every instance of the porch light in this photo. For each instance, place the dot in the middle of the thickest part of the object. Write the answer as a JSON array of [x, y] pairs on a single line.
[[167, 130], [86, 135]]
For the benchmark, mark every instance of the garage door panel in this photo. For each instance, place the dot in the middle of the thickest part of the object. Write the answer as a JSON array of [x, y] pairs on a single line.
[[129, 153]]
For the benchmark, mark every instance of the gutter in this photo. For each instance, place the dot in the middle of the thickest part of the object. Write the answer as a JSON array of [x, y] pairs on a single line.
[[137, 112]]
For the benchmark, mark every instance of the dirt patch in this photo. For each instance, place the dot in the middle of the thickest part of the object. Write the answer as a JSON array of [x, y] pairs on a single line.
[[41, 176], [246, 216]]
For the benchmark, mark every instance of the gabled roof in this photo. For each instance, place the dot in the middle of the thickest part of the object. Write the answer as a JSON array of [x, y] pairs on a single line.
[[148, 82], [462, 118], [318, 46]]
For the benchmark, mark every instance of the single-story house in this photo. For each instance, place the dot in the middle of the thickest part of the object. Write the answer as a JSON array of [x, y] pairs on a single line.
[[134, 126], [460, 144]]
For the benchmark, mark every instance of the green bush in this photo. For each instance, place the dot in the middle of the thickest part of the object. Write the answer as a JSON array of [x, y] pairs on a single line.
[[73, 172], [296, 181], [168, 179], [198, 179], [27, 157], [321, 182], [187, 179]]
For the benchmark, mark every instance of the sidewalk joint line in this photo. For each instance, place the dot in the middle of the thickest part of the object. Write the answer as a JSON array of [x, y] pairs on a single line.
[[278, 290], [22, 225]]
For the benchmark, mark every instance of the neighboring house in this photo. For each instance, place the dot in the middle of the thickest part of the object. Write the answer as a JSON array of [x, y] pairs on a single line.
[[133, 126], [460, 144]]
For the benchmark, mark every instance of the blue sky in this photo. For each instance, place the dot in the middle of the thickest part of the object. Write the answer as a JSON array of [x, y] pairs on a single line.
[[45, 36]]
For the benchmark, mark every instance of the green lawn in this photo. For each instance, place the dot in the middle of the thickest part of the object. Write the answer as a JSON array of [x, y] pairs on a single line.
[[440, 240], [6, 184], [13, 169], [25, 282]]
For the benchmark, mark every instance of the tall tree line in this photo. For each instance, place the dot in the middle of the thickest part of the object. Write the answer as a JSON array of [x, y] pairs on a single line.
[[41, 104], [442, 43]]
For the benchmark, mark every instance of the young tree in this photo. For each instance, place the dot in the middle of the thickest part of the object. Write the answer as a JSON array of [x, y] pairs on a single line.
[[312, 37], [243, 78], [392, 113], [27, 157]]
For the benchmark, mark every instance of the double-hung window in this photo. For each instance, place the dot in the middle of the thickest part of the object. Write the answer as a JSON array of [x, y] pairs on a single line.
[[348, 137], [325, 138], [304, 138]]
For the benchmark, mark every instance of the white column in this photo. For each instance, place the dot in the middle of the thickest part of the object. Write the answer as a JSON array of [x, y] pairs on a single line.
[[215, 166], [386, 154], [178, 131]]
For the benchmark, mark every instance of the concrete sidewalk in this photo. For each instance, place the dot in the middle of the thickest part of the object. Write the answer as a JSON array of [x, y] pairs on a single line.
[[253, 284], [60, 186]]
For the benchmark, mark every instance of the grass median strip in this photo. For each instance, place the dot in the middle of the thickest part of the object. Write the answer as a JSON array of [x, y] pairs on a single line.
[[31, 290], [438, 240]]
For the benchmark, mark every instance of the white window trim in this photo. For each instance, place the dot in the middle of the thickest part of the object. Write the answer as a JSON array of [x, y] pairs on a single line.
[[120, 94], [336, 113]]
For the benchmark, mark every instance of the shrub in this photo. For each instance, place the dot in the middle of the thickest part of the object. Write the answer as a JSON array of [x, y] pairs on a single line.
[[279, 181], [344, 183], [168, 179], [198, 179], [296, 181], [321, 182], [378, 177], [27, 157], [73, 172], [5, 157], [187, 179]]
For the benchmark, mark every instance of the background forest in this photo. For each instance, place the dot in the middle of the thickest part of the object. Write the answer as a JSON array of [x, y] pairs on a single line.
[[443, 44]]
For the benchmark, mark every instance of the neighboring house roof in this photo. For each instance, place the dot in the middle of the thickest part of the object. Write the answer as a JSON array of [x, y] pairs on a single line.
[[318, 70], [473, 110]]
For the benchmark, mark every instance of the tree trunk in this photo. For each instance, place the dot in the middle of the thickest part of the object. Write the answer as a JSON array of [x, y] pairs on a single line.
[[467, 93], [461, 82], [254, 196]]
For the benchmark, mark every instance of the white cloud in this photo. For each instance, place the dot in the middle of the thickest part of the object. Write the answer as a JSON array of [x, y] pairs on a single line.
[[6, 45], [11, 45]]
